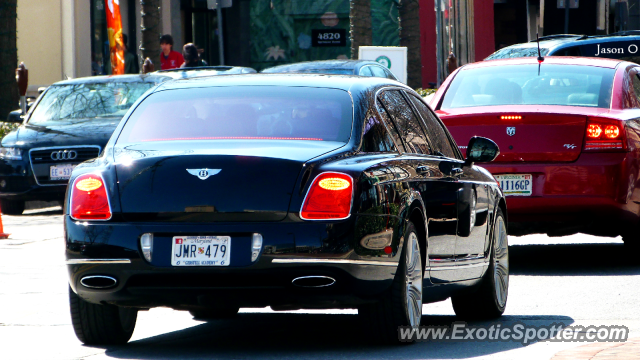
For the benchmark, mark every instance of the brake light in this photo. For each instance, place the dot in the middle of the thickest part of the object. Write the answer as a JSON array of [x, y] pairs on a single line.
[[329, 197], [594, 131], [605, 135], [510, 117], [89, 200]]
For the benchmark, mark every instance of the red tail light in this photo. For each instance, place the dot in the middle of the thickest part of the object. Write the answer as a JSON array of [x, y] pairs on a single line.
[[510, 117], [329, 197], [89, 200], [605, 135]]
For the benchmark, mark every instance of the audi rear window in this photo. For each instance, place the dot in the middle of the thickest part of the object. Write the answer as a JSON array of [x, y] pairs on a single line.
[[530, 84], [242, 113]]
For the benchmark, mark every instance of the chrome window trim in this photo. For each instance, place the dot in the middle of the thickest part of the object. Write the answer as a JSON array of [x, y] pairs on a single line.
[[57, 148], [97, 261], [333, 261]]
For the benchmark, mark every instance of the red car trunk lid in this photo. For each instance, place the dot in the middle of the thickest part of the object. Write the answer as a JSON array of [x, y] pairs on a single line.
[[522, 136]]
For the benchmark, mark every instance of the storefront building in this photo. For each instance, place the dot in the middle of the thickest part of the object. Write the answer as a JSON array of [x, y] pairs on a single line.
[[68, 38]]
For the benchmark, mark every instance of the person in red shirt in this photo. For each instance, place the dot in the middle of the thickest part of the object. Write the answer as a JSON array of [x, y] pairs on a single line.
[[169, 59]]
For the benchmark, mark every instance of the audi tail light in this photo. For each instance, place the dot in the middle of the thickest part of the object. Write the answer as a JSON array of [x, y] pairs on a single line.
[[89, 198], [605, 135], [329, 197]]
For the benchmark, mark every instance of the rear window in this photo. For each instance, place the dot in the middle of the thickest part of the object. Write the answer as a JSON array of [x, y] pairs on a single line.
[[531, 85], [308, 70], [517, 52], [242, 112]]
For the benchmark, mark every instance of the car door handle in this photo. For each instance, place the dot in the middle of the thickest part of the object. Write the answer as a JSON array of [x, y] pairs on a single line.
[[456, 172], [423, 170]]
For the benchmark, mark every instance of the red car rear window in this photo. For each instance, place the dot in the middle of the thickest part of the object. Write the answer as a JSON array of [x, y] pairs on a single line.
[[531, 84]]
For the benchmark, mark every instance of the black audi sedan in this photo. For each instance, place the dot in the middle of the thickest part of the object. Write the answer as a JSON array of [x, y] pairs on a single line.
[[70, 122], [288, 191], [334, 67]]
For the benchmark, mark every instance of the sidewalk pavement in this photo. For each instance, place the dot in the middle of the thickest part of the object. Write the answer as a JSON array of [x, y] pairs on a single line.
[[629, 350]]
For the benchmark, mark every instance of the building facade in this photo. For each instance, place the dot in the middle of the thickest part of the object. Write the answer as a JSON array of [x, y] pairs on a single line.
[[58, 39]]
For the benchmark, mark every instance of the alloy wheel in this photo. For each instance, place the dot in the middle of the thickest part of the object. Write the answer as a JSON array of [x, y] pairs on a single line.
[[413, 280], [501, 259]]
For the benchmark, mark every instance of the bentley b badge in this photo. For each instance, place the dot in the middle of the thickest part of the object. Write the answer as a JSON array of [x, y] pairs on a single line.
[[203, 174]]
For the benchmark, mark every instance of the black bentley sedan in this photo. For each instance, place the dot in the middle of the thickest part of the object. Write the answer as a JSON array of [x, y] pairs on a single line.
[[288, 191], [70, 122]]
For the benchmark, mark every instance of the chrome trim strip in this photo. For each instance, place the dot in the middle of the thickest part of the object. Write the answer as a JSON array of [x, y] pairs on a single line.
[[459, 267], [54, 148], [333, 261], [97, 261]]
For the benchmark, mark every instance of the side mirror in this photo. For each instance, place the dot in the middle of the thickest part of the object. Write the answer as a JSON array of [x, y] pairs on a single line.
[[481, 150], [15, 117]]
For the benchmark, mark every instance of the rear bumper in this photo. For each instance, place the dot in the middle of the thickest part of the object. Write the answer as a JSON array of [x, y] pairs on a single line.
[[597, 190], [290, 250]]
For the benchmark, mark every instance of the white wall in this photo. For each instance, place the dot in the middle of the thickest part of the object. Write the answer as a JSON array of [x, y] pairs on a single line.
[[39, 41]]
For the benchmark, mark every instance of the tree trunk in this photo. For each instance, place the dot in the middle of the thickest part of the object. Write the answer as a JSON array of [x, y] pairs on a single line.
[[9, 95], [360, 18], [409, 16], [151, 26]]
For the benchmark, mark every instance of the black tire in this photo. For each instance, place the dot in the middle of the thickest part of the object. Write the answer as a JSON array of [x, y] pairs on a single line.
[[631, 242], [215, 313], [101, 324], [12, 207], [382, 318], [484, 303]]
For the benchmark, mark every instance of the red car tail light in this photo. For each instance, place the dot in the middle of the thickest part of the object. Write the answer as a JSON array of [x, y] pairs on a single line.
[[605, 135], [329, 197], [510, 117], [89, 199]]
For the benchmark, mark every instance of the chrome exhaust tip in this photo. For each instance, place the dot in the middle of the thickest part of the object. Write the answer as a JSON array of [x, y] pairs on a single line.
[[313, 281], [98, 282]]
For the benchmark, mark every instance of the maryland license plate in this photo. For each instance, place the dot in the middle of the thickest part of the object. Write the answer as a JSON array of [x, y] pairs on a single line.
[[60, 172], [516, 184], [201, 251]]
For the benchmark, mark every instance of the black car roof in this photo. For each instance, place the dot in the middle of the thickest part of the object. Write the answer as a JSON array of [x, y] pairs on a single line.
[[560, 41], [321, 64], [115, 79], [344, 82]]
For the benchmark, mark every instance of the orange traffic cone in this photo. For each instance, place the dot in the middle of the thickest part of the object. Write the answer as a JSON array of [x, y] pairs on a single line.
[[3, 235]]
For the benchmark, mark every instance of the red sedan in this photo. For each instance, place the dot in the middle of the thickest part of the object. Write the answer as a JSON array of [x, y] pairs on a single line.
[[569, 137]]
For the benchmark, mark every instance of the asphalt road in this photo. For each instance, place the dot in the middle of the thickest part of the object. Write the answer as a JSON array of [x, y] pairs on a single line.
[[577, 280]]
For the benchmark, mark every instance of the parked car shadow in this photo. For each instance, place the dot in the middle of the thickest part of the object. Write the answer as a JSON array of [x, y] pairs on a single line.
[[294, 335], [573, 260]]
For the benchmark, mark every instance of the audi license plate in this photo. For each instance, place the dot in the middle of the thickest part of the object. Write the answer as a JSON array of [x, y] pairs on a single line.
[[516, 185], [201, 251], [60, 172]]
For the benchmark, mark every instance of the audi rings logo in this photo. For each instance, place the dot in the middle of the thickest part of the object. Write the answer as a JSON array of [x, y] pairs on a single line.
[[64, 155]]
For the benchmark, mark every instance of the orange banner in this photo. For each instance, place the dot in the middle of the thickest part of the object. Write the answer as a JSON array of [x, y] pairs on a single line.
[[114, 29]]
